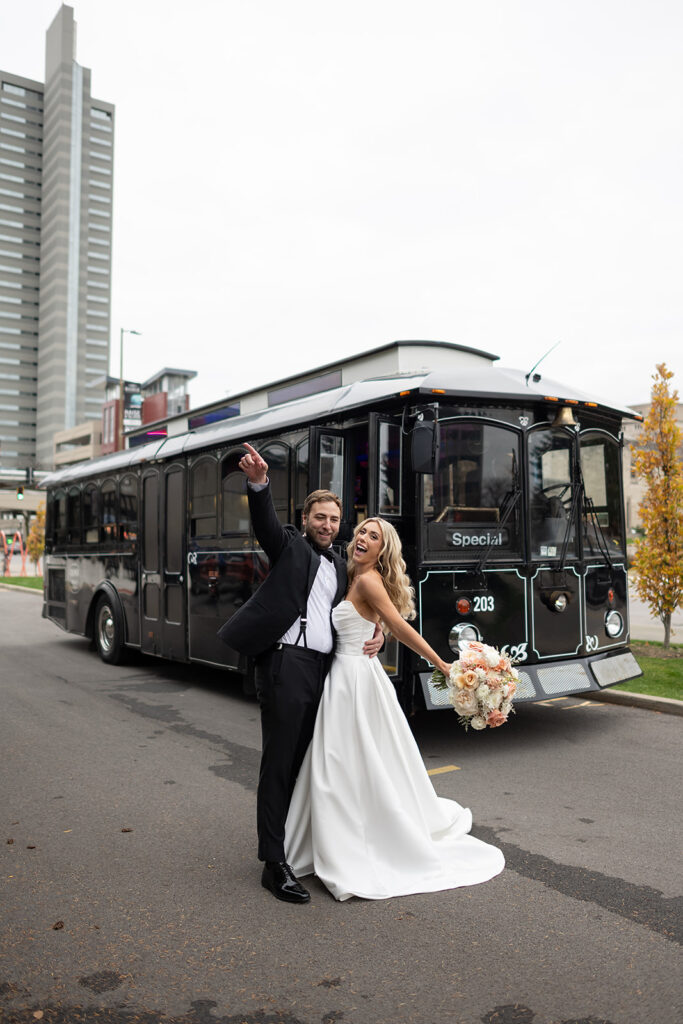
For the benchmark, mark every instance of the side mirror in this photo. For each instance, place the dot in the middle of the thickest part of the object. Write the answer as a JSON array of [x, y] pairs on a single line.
[[423, 445]]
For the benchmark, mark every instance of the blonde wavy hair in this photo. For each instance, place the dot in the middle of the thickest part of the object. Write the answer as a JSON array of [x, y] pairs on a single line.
[[390, 566]]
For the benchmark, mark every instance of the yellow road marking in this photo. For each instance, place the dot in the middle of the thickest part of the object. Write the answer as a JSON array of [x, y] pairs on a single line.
[[553, 700], [446, 768]]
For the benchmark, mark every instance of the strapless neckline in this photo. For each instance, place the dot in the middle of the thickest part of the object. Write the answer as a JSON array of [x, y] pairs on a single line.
[[346, 601]]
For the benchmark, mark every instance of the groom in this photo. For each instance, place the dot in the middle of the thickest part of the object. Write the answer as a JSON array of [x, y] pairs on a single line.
[[286, 626]]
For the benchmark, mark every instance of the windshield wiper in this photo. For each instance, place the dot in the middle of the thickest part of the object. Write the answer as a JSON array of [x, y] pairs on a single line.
[[577, 489], [512, 501], [603, 546]]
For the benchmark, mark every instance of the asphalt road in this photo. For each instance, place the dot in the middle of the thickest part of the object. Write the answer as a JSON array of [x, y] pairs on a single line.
[[130, 888]]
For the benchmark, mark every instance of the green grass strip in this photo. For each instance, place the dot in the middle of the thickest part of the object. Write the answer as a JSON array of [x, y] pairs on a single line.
[[32, 582], [662, 677]]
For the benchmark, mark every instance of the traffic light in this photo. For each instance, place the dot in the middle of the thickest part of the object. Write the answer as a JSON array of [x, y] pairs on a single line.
[[20, 492]]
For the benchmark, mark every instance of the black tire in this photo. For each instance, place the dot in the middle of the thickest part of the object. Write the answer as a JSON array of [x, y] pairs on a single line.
[[109, 631]]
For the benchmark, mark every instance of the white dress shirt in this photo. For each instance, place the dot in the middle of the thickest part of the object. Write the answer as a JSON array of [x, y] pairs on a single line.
[[318, 611]]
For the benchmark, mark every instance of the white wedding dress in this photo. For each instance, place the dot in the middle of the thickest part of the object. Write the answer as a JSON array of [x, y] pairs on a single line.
[[364, 816]]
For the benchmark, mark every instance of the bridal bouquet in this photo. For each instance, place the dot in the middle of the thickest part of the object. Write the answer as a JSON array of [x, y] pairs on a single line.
[[481, 685]]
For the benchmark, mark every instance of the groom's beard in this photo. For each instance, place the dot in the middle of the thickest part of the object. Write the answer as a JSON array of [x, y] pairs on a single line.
[[320, 548]]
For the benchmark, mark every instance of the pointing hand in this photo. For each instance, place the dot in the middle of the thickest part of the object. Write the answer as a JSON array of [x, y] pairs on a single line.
[[253, 466]]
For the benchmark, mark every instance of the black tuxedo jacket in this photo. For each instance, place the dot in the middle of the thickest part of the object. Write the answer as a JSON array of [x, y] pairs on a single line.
[[282, 596]]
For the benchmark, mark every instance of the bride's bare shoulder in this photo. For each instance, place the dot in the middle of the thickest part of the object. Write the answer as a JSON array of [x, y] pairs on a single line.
[[369, 584]]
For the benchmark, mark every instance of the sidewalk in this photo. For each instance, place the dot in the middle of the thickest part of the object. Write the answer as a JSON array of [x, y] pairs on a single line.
[[646, 627], [15, 588], [15, 573]]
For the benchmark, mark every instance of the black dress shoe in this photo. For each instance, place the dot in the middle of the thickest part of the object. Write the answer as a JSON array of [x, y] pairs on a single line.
[[283, 883]]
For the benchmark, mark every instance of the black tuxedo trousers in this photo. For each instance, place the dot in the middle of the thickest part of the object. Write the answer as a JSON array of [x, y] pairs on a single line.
[[289, 686]]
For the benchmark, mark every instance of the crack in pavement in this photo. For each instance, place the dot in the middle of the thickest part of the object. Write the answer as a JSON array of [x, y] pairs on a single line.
[[243, 766], [637, 903]]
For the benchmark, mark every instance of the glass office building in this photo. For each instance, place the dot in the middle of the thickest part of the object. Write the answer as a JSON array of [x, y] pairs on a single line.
[[56, 183]]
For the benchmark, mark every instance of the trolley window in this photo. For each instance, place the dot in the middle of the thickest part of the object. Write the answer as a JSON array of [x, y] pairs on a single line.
[[389, 469], [175, 519], [203, 499], [91, 520], [472, 502], [551, 482], [235, 506], [73, 516], [331, 465], [128, 509], [357, 454], [301, 480], [277, 457], [59, 519], [150, 512], [602, 528], [109, 510]]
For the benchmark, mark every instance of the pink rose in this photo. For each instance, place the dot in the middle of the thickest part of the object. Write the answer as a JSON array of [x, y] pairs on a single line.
[[495, 718]]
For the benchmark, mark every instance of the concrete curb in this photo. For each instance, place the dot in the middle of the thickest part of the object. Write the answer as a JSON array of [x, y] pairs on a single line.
[[23, 590], [665, 705]]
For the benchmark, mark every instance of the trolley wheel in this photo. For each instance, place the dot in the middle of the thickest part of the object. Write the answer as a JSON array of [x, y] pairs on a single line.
[[109, 630]]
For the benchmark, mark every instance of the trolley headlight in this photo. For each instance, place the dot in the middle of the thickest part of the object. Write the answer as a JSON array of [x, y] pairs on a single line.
[[558, 602], [614, 624], [462, 631]]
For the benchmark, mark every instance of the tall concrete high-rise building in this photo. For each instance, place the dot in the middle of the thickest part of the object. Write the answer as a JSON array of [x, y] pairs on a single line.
[[56, 179]]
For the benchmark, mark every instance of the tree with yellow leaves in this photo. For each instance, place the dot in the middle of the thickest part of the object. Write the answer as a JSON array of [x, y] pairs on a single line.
[[658, 562], [35, 545]]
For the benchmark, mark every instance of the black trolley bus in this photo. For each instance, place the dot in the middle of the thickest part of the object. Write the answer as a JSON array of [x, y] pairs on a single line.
[[507, 495]]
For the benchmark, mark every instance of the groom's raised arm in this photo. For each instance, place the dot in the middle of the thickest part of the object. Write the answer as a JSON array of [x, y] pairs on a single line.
[[269, 531]]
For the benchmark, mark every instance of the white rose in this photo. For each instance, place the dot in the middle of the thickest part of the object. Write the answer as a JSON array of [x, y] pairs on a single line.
[[478, 722], [491, 657], [464, 702]]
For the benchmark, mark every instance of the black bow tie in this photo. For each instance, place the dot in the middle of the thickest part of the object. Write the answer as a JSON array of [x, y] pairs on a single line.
[[323, 552]]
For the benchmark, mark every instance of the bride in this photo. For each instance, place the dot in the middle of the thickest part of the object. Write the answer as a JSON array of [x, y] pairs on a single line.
[[364, 816]]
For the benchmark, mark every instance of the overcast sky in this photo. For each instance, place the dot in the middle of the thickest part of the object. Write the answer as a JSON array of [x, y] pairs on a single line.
[[300, 181]]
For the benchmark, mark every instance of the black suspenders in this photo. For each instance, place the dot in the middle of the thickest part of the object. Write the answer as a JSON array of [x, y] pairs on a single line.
[[312, 573]]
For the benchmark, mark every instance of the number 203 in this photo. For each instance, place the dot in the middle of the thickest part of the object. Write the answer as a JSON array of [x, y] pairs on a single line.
[[482, 603]]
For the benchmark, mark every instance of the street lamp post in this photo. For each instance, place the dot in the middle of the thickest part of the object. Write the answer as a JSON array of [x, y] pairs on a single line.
[[124, 330]]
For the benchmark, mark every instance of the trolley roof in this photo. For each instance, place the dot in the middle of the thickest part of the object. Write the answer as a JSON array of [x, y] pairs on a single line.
[[487, 384]]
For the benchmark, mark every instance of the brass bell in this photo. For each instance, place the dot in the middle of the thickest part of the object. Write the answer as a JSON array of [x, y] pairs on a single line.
[[564, 417]]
